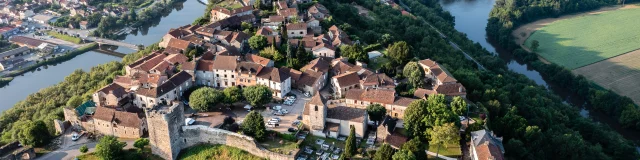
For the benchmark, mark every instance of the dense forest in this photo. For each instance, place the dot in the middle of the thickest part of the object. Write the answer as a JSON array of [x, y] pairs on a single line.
[[507, 15], [535, 123]]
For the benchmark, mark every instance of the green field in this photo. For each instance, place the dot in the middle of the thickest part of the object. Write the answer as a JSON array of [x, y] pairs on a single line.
[[584, 40], [65, 37], [209, 151]]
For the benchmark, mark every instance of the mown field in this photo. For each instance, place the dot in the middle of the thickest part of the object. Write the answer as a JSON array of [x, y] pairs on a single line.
[[620, 74], [584, 40]]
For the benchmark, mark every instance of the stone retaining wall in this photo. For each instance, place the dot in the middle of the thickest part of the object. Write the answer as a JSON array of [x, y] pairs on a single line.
[[197, 134]]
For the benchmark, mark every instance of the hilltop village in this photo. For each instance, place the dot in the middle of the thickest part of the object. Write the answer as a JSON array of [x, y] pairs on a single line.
[[311, 83]]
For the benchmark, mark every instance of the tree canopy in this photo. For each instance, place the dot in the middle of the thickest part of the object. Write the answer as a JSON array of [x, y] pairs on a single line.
[[404, 155], [445, 134], [232, 95], [399, 52], [253, 125], [350, 145], [258, 42], [414, 74], [205, 98], [34, 134], [376, 112], [416, 147], [385, 152], [74, 101], [258, 95], [109, 148], [140, 143], [354, 52]]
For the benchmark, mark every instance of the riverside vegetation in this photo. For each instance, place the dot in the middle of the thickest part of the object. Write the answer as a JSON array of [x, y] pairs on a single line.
[[507, 15]]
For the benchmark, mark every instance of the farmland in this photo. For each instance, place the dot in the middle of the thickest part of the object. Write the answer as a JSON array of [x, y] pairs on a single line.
[[620, 74], [584, 40]]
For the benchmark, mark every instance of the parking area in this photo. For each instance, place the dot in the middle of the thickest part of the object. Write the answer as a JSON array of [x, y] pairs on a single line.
[[295, 113]]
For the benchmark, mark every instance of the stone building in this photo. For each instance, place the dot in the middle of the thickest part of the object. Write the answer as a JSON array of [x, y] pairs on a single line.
[[333, 121], [164, 123], [485, 145], [171, 90], [112, 95], [122, 124], [361, 98]]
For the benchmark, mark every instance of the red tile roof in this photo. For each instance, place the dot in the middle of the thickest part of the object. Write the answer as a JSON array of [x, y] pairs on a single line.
[[225, 62], [257, 59], [179, 44], [205, 65], [297, 26], [127, 119], [372, 95], [347, 79]]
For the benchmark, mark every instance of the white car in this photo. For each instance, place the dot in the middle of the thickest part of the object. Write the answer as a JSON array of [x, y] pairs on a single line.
[[75, 136], [273, 121], [284, 111]]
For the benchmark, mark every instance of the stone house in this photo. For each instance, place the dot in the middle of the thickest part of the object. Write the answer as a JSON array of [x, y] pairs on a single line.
[[277, 79], [436, 72], [112, 95], [224, 68], [313, 76], [273, 22], [204, 73], [108, 121], [318, 11], [386, 132], [485, 145], [333, 121], [265, 62], [344, 82], [288, 13], [171, 90], [247, 73], [324, 50], [235, 39], [172, 34], [338, 37], [296, 30], [361, 98], [219, 13]]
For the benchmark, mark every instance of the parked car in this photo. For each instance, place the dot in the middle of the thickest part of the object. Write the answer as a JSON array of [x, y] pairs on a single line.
[[273, 121], [292, 130], [319, 152], [284, 111], [75, 136]]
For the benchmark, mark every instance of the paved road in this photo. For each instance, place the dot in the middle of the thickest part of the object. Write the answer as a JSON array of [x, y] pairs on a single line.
[[439, 155], [453, 44], [71, 152]]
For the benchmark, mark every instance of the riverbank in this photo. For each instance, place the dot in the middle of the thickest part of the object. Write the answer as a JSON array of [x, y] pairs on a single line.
[[50, 61], [5, 80]]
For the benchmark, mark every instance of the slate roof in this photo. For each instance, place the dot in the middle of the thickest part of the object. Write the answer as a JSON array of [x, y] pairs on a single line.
[[346, 113]]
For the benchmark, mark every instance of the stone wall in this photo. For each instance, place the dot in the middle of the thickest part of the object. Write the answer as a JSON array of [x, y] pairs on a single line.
[[197, 134], [164, 124]]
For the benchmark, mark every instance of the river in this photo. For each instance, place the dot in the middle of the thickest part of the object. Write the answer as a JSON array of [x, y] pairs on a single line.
[[182, 13], [471, 18]]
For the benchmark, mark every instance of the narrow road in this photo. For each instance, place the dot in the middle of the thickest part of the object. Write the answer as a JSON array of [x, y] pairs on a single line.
[[439, 155], [453, 44]]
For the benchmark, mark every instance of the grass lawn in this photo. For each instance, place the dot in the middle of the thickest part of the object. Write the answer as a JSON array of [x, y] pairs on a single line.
[[274, 145], [452, 151], [209, 151], [65, 37], [230, 5], [377, 63], [584, 40], [128, 154]]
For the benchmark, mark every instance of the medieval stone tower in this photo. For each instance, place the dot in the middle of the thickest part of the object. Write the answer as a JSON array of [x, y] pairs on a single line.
[[165, 123], [317, 113]]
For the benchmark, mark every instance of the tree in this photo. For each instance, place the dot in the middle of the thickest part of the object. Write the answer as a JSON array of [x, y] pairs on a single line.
[[232, 94], [534, 45], [253, 125], [140, 143], [272, 53], [109, 148], [376, 112], [354, 52], [257, 95], [413, 116], [446, 134], [74, 101], [384, 152], [404, 155], [414, 74], [246, 26], [386, 39], [350, 145], [416, 147], [303, 56], [399, 52], [257, 4], [205, 98], [458, 105], [34, 134], [84, 149]]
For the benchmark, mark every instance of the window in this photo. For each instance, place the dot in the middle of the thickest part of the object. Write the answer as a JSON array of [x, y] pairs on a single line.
[[316, 108], [231, 76], [293, 33], [217, 75], [225, 76], [225, 83], [233, 83]]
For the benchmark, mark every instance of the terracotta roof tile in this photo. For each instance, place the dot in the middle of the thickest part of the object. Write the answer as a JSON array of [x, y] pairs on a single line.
[[297, 26], [248, 68], [422, 93], [205, 65], [127, 119], [104, 113], [321, 64], [317, 99], [372, 95], [171, 84], [395, 140], [257, 59], [178, 43], [455, 89], [403, 101], [225, 62], [347, 79], [274, 74], [176, 58], [189, 66]]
